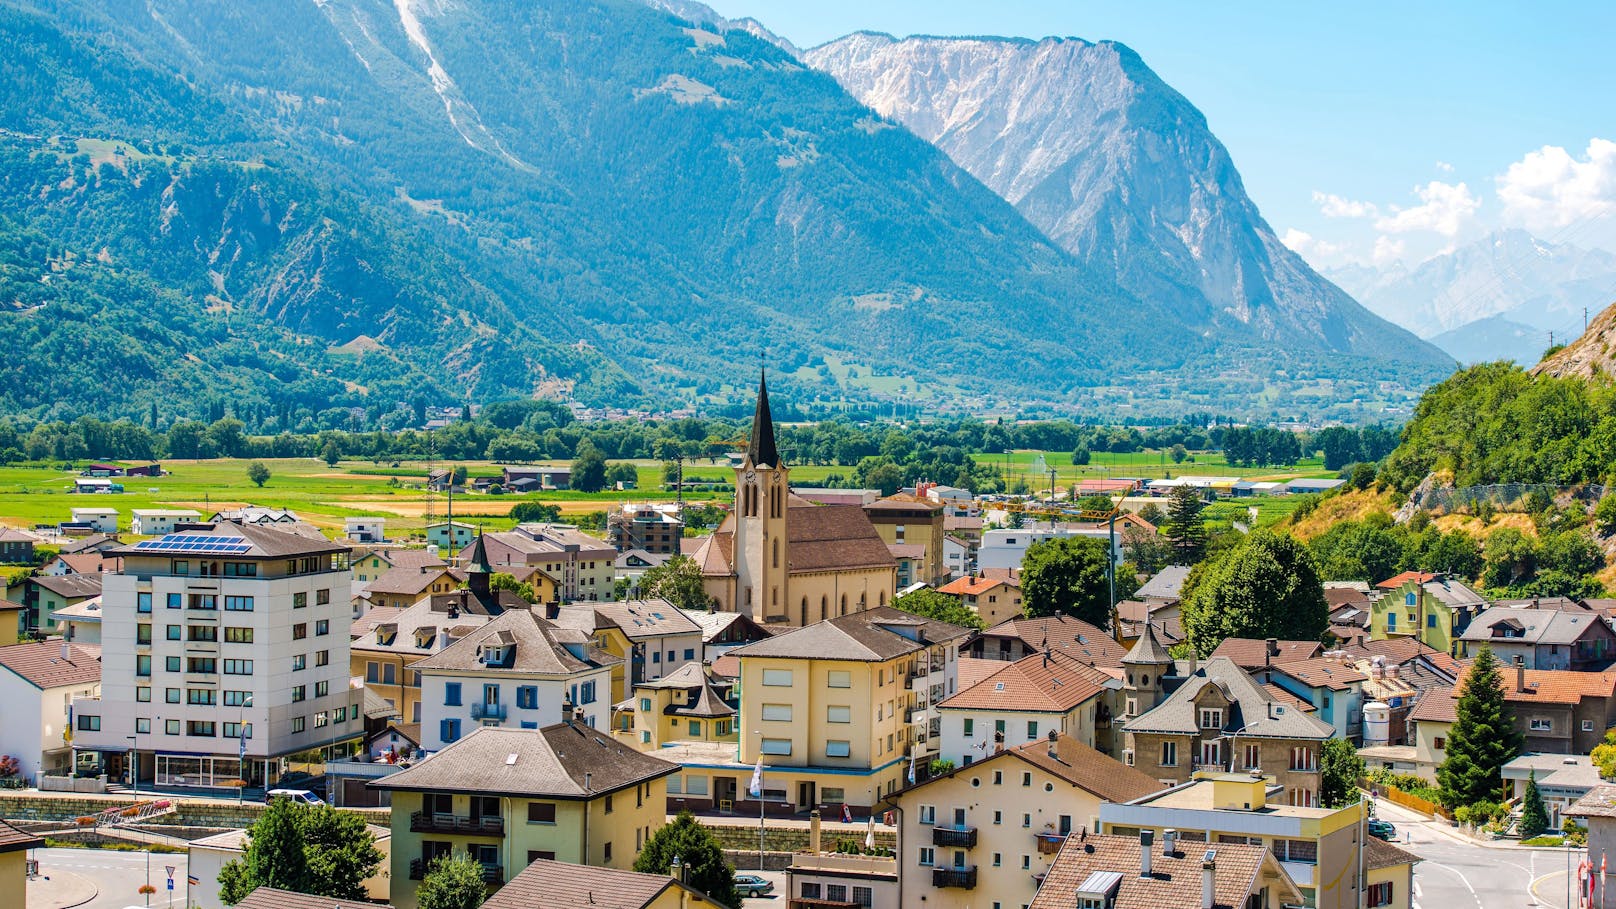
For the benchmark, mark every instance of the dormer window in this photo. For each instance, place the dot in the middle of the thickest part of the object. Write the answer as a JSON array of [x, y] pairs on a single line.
[[1211, 718], [385, 634], [425, 636]]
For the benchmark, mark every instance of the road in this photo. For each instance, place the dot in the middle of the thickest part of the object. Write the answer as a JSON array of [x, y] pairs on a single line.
[[1459, 874], [775, 900], [117, 875]]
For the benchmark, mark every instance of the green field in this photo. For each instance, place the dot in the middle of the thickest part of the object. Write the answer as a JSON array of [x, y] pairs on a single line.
[[1153, 464]]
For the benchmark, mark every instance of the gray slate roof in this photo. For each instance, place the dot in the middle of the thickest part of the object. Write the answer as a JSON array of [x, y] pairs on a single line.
[[1537, 626], [874, 635], [1166, 585], [1253, 712], [531, 763], [540, 648], [545, 884]]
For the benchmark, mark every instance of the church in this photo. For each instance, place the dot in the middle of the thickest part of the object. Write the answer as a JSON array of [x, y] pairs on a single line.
[[782, 559]]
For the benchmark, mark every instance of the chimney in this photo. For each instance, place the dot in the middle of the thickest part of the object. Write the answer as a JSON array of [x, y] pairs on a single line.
[[67, 652], [1270, 651], [1147, 838], [1191, 659], [1054, 737], [813, 831], [1520, 673], [1170, 842], [566, 710], [1209, 879], [589, 779]]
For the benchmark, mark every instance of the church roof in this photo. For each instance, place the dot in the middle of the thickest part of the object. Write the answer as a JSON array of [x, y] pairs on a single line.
[[761, 448], [1148, 651], [819, 537]]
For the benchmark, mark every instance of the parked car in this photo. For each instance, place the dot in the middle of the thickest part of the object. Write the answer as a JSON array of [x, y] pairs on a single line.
[[750, 885], [1382, 829], [303, 796]]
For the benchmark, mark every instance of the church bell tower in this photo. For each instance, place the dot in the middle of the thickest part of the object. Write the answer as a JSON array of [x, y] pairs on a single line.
[[761, 490]]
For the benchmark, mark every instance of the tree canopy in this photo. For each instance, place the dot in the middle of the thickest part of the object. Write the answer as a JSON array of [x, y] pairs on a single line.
[[1184, 527], [678, 580], [1266, 586], [704, 866], [1340, 768], [1482, 740], [452, 882], [316, 850], [940, 607], [1067, 576]]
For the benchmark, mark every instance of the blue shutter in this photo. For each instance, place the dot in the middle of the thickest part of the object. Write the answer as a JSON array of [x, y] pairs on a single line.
[[446, 730]]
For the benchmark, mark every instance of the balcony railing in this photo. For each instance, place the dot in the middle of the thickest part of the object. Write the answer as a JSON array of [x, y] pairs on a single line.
[[493, 874], [433, 822], [482, 711], [963, 878], [1049, 843], [949, 835]]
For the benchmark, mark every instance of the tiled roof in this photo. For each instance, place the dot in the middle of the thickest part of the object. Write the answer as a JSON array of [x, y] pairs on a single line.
[[410, 558], [1380, 854], [1251, 653], [907, 550], [1052, 682], [1281, 696], [855, 636], [974, 669], [406, 580], [1323, 672], [82, 562], [406, 624], [1251, 711], [1082, 766], [1398, 580], [1174, 882], [540, 647], [818, 538], [1165, 585], [646, 618], [12, 839], [13, 535], [1600, 801], [903, 502], [1436, 705], [1532, 626], [972, 585], [72, 586], [42, 665], [558, 885], [564, 761], [1148, 651], [1065, 634], [375, 615], [270, 898]]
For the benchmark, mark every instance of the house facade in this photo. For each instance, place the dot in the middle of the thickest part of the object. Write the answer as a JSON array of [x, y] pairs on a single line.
[[38, 683]]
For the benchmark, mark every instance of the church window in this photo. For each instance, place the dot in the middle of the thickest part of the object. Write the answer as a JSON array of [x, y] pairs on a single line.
[[776, 552]]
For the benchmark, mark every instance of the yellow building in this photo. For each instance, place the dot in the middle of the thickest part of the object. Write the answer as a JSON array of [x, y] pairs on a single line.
[[1138, 872], [546, 883], [1389, 872], [1317, 847], [780, 558], [910, 520], [687, 705], [996, 599], [1432, 607], [1001, 820], [509, 797], [400, 588], [837, 711], [14, 846]]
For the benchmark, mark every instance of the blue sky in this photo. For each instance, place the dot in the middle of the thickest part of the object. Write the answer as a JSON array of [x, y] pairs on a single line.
[[1409, 114]]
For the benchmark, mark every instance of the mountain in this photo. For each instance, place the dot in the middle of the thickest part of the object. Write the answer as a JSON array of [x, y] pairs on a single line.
[[1591, 356], [310, 208], [1119, 169], [1492, 338], [1508, 273]]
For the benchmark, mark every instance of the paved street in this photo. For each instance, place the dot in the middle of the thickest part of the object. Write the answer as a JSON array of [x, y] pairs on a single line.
[[116, 875], [1458, 874], [774, 900]]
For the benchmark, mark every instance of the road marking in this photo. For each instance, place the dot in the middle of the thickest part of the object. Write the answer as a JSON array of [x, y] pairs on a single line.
[[1462, 879]]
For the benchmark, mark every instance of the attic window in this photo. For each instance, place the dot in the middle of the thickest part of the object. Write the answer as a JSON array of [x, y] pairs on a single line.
[[510, 759], [998, 686]]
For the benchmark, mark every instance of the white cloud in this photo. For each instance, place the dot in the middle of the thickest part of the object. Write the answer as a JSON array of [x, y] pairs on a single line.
[[1444, 167], [1444, 208], [1305, 244], [1334, 206], [1388, 250], [1550, 188]]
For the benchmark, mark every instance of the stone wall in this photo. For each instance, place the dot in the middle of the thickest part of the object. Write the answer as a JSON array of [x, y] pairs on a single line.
[[214, 814]]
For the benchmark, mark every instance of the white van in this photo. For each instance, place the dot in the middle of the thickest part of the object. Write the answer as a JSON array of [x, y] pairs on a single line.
[[297, 795]]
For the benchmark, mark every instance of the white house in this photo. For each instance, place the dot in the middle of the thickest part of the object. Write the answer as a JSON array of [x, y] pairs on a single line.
[[207, 856], [154, 522], [452, 536], [81, 622], [365, 530], [519, 670], [1005, 548], [1024, 702], [100, 520], [38, 683]]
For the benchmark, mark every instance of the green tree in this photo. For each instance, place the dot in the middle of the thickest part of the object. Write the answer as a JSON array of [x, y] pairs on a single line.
[[1149, 552], [1362, 476], [1184, 526], [1340, 768], [678, 580], [340, 852], [331, 454], [1067, 576], [319, 851], [622, 472], [1534, 817], [499, 580], [1081, 456], [258, 473], [1153, 513], [1605, 514], [535, 513], [940, 607], [588, 468], [1482, 740], [1178, 453], [694, 846], [1266, 586], [452, 882]]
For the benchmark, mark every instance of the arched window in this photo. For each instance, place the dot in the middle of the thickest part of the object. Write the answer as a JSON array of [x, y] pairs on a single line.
[[883, 598], [844, 605], [777, 552], [802, 618], [824, 606]]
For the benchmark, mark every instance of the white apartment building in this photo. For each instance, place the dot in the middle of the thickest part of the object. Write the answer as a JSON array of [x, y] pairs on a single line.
[[38, 683], [218, 638], [1005, 548], [152, 522]]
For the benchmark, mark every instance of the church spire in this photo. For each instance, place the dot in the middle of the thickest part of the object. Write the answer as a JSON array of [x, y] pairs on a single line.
[[761, 448]]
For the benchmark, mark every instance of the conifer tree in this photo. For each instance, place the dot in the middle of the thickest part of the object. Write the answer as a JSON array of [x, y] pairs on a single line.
[[1184, 527], [1534, 817], [1483, 738]]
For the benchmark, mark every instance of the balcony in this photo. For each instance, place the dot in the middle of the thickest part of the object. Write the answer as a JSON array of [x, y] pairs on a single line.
[[492, 874], [950, 835], [917, 681], [433, 822], [1049, 843], [203, 615], [963, 878], [915, 715], [482, 711]]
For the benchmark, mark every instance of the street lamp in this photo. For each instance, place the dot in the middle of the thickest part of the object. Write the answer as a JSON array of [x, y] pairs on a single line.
[[241, 749], [134, 762], [761, 801]]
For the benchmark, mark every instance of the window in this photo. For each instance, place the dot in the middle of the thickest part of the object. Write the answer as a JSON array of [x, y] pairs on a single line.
[[204, 601], [174, 600], [1541, 724], [1409, 600], [238, 604], [586, 693], [171, 727], [541, 812], [322, 688], [810, 890], [694, 728], [777, 746], [1032, 729], [1587, 725], [1026, 779], [1026, 820], [322, 597], [928, 856], [322, 627], [171, 695], [236, 698], [172, 664], [203, 696], [300, 600], [238, 635], [143, 664], [527, 697], [1253, 757], [1302, 758], [970, 728], [645, 705], [837, 749], [143, 602], [300, 631], [449, 730], [451, 694], [298, 724], [237, 731], [1026, 862], [238, 667], [1430, 620], [89, 723], [174, 632], [241, 570], [1211, 718], [202, 728], [838, 714], [143, 724], [1169, 755], [777, 713], [143, 694], [1391, 621], [836, 893], [299, 692], [839, 678], [998, 777], [320, 719], [143, 633], [322, 658], [1440, 743], [928, 814], [300, 662], [998, 859], [203, 633], [777, 678], [1380, 894], [608, 807]]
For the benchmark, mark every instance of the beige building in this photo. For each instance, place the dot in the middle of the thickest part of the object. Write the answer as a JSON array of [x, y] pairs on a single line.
[[686, 705], [780, 558], [909, 520], [1138, 872], [510, 797], [14, 846], [582, 566], [990, 830], [560, 885], [995, 599], [407, 585]]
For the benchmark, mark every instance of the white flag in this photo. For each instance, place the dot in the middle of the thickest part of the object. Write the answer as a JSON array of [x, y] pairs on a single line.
[[911, 768], [756, 789], [869, 834]]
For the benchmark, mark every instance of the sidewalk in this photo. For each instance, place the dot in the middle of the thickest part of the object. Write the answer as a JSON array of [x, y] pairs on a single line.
[[60, 890], [1405, 817]]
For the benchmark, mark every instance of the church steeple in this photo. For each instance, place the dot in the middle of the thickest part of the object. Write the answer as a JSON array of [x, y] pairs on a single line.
[[478, 570], [761, 448]]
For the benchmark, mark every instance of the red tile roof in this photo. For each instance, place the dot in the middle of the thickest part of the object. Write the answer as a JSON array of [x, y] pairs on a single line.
[[42, 664], [1251, 653], [1174, 882], [971, 586], [1052, 683], [1398, 580]]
